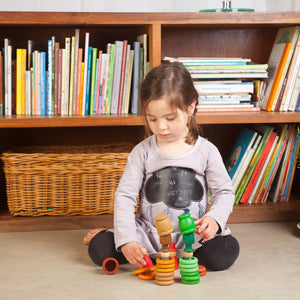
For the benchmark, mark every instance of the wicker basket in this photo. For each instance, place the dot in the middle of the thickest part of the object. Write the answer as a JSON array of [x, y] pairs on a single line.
[[63, 180]]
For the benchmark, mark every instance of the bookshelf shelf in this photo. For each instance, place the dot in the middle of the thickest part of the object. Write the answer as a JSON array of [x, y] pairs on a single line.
[[201, 34], [138, 120]]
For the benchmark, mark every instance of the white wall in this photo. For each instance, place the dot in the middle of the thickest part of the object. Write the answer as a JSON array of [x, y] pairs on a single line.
[[144, 5]]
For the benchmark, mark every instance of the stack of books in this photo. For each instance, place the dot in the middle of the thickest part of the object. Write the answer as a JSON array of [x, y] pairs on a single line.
[[72, 80], [226, 84], [262, 163], [283, 85]]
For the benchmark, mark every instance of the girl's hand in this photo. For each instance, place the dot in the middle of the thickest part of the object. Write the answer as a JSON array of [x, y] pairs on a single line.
[[133, 253], [208, 227]]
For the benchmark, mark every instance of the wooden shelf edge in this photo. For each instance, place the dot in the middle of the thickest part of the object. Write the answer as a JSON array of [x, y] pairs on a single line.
[[140, 18], [269, 212], [138, 120]]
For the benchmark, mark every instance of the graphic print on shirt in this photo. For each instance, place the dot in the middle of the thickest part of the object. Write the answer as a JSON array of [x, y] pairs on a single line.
[[175, 186]]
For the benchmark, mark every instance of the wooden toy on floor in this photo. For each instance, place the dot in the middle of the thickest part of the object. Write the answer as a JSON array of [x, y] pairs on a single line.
[[188, 264], [164, 265]]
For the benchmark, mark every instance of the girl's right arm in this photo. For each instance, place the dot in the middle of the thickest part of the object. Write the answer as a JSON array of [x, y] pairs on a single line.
[[126, 199]]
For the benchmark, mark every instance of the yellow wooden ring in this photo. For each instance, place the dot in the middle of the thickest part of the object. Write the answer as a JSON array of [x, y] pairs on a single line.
[[165, 262], [164, 270], [169, 282]]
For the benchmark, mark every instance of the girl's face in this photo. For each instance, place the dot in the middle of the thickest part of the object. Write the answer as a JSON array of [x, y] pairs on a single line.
[[168, 124]]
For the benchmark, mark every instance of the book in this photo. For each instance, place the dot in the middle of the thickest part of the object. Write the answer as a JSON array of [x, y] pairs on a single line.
[[204, 61], [245, 163], [119, 49], [239, 151], [128, 80], [253, 196], [78, 88], [7, 77], [290, 78], [110, 77], [1, 83], [271, 164], [59, 80], [105, 80], [88, 81], [65, 99], [280, 56], [143, 40], [282, 168], [98, 84], [265, 131], [93, 79], [19, 82], [124, 70], [75, 70], [71, 81], [63, 82], [289, 162], [286, 35], [102, 83], [291, 167], [49, 81], [266, 148], [228, 108], [86, 53], [223, 87], [275, 165], [135, 78], [56, 48], [43, 83], [28, 94], [296, 160]]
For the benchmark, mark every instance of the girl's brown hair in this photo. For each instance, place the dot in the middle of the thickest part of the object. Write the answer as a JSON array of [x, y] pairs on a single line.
[[172, 81]]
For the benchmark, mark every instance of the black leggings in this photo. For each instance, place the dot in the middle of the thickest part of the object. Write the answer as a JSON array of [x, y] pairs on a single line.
[[217, 254]]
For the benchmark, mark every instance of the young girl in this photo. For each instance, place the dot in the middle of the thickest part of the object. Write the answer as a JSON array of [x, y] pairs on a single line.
[[173, 170]]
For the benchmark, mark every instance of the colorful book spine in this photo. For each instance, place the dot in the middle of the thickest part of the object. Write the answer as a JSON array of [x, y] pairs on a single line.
[[135, 78], [67, 76], [75, 77], [43, 83], [123, 75], [49, 81], [119, 45], [93, 79], [102, 83], [258, 168], [72, 66], [88, 81], [78, 88], [86, 53], [19, 82], [110, 80], [97, 93]]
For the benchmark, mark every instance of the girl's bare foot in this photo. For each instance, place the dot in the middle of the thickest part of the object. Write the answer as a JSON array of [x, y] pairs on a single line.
[[91, 234]]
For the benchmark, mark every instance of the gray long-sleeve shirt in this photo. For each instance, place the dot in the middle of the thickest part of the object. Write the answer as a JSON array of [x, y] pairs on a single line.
[[143, 168]]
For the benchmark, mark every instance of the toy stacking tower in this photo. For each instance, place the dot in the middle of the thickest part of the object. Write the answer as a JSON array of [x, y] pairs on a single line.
[[188, 264], [164, 265]]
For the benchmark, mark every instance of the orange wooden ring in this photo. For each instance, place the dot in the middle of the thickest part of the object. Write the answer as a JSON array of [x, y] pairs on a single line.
[[202, 270], [110, 265], [143, 270], [147, 275]]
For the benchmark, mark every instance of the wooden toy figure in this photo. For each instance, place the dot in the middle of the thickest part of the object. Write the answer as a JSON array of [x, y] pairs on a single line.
[[188, 264], [164, 265], [173, 252]]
